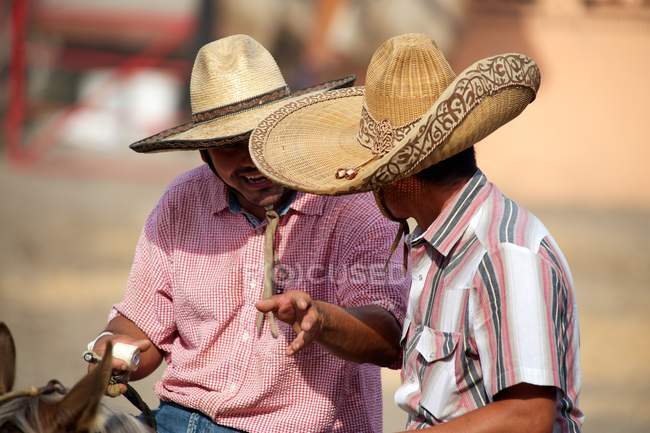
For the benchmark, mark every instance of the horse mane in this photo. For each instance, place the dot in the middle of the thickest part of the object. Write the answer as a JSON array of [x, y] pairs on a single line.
[[22, 413], [52, 408]]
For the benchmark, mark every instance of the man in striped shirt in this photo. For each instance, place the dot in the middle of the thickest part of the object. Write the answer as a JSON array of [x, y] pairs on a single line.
[[490, 342], [491, 335]]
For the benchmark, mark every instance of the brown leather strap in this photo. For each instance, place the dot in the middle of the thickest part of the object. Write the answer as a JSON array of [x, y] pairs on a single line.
[[134, 397], [272, 219]]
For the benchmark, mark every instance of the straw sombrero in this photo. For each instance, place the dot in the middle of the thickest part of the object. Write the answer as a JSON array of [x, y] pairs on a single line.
[[413, 113], [235, 83]]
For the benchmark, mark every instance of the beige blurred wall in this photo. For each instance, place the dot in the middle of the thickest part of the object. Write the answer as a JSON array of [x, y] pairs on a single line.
[[584, 141]]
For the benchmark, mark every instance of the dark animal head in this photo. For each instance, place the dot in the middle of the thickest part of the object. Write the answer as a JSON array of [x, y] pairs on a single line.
[[50, 409]]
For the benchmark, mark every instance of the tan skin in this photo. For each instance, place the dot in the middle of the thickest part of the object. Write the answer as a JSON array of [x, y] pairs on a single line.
[[363, 334], [311, 319], [521, 408]]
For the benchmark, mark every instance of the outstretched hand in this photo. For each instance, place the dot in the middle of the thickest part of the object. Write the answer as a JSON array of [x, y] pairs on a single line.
[[300, 311]]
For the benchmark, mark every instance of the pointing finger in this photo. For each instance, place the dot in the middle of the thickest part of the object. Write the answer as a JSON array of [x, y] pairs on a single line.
[[266, 305]]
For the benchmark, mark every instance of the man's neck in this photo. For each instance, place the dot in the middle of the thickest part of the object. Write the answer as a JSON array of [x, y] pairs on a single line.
[[431, 200], [259, 212]]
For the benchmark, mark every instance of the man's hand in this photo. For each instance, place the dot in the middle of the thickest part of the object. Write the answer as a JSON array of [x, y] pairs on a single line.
[[119, 366], [298, 310], [361, 334], [519, 408]]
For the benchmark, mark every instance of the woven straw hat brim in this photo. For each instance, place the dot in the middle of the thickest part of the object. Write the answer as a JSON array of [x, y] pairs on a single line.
[[302, 145], [225, 129]]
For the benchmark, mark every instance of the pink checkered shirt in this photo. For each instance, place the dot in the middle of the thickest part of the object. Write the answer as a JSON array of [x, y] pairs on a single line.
[[491, 306], [197, 273]]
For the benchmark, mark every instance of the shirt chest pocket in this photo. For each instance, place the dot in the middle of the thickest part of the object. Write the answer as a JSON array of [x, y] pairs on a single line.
[[437, 359]]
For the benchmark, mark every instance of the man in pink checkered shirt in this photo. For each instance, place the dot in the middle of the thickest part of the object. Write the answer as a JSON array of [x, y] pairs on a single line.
[[199, 273]]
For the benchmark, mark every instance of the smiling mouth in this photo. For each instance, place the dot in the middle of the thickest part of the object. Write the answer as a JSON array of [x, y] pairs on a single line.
[[256, 180]]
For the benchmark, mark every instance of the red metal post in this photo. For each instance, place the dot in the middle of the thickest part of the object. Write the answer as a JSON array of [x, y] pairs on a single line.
[[17, 74], [153, 55]]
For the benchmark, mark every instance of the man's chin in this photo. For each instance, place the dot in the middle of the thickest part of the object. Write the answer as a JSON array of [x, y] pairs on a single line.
[[268, 199]]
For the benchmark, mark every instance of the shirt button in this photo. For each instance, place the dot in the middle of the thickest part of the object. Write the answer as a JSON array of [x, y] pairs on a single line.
[[420, 277], [412, 379], [245, 336], [232, 387]]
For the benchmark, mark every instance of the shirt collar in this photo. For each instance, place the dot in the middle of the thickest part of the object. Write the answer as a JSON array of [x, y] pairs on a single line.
[[449, 226], [235, 207]]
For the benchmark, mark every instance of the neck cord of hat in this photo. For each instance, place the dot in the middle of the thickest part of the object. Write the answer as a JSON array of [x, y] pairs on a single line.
[[377, 135], [272, 219], [402, 232]]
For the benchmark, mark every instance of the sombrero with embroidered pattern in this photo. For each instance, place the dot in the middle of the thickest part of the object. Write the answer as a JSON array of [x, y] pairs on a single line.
[[413, 112], [235, 83]]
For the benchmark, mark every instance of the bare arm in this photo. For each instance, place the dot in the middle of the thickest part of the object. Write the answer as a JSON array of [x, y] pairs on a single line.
[[362, 334], [521, 408], [127, 332], [150, 357]]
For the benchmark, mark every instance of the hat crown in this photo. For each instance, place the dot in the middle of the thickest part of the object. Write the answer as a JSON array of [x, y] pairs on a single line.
[[230, 70], [404, 78]]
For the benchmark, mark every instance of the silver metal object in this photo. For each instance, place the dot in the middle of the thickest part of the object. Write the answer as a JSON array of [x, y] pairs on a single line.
[[91, 357], [125, 352]]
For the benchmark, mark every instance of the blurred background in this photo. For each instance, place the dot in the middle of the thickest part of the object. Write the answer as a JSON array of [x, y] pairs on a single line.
[[81, 80]]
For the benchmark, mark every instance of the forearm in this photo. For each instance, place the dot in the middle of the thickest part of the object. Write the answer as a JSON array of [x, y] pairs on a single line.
[[149, 359], [362, 334], [522, 408]]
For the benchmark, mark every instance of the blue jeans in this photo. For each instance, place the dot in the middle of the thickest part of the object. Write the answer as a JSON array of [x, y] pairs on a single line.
[[172, 418]]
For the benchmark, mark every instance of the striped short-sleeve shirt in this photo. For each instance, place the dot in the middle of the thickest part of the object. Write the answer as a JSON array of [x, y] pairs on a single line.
[[491, 305]]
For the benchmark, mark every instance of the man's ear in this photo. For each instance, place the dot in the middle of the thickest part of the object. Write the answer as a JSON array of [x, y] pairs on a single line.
[[7, 359], [205, 156]]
